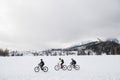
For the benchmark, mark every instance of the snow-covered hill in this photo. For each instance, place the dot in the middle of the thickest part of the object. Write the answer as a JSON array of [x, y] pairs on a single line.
[[90, 48], [91, 68]]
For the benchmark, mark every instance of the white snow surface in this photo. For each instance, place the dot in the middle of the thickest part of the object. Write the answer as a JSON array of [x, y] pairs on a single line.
[[91, 68]]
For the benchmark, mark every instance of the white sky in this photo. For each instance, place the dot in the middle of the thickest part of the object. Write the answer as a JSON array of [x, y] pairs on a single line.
[[42, 24]]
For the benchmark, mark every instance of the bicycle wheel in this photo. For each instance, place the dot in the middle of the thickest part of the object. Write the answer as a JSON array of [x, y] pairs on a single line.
[[77, 67], [69, 68], [45, 68], [37, 69], [56, 67], [64, 67]]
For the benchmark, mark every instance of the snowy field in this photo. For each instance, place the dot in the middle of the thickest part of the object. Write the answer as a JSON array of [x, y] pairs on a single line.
[[91, 68]]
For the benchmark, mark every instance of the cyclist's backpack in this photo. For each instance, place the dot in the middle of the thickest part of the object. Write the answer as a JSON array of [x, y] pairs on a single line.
[[74, 62]]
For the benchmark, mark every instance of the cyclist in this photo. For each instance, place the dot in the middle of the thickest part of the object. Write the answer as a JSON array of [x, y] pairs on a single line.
[[41, 64], [73, 62], [61, 62]]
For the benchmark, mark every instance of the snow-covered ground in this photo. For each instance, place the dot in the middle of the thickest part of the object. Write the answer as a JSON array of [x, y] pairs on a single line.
[[91, 68]]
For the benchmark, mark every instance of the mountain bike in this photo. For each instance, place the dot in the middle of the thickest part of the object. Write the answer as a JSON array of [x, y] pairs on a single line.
[[58, 67], [70, 67], [37, 68]]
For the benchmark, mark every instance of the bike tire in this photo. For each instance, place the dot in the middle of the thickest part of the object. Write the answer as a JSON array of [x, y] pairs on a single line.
[[56, 67], [37, 69], [45, 68], [64, 67], [69, 68], [77, 67]]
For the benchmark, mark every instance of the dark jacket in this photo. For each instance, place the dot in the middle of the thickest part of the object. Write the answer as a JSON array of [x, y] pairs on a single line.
[[41, 63], [73, 62]]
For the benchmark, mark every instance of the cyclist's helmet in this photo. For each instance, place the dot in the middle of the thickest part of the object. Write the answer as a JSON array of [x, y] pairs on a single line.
[[59, 58]]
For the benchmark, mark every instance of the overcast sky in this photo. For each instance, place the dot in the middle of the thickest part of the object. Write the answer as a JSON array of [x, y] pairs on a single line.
[[43, 24]]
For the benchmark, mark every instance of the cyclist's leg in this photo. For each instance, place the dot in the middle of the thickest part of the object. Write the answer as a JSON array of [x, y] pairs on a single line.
[[74, 65], [61, 65], [41, 66]]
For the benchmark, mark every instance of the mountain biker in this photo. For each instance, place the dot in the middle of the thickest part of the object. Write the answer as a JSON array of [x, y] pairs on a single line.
[[61, 62], [73, 62], [41, 64]]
